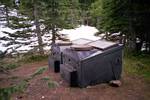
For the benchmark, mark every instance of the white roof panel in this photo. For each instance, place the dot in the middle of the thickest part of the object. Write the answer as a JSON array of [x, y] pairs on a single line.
[[81, 41], [102, 44]]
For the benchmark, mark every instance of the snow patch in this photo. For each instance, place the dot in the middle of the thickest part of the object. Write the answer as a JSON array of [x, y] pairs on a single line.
[[86, 32]]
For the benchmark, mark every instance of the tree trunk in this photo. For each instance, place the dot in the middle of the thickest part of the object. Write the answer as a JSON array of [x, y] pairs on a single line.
[[139, 46], [7, 16], [53, 34], [132, 42], [147, 43], [97, 22], [53, 25], [83, 17], [38, 30], [72, 17]]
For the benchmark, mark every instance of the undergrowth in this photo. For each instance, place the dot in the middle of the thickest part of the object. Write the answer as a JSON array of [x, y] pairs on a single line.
[[137, 64], [12, 63], [33, 58], [5, 93], [4, 66], [50, 83], [39, 71]]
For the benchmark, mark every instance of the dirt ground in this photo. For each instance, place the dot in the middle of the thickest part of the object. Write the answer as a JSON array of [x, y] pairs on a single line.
[[133, 87]]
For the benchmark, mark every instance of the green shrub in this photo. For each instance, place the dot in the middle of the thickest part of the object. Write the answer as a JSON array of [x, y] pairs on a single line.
[[11, 66], [5, 93], [137, 65], [33, 58], [45, 78], [52, 84], [39, 71]]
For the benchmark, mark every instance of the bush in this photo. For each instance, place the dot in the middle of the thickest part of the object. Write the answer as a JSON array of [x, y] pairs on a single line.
[[33, 58], [5, 93], [137, 65], [8, 65], [39, 71], [11, 66]]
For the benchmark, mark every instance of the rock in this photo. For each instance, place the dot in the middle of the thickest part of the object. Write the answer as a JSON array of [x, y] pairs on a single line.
[[88, 87], [19, 97], [43, 97], [115, 83], [60, 82]]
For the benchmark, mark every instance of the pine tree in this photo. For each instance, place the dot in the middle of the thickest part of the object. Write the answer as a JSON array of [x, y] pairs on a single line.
[[7, 4], [139, 14], [95, 13], [58, 14], [130, 17], [21, 35], [31, 8], [85, 6], [22, 24]]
